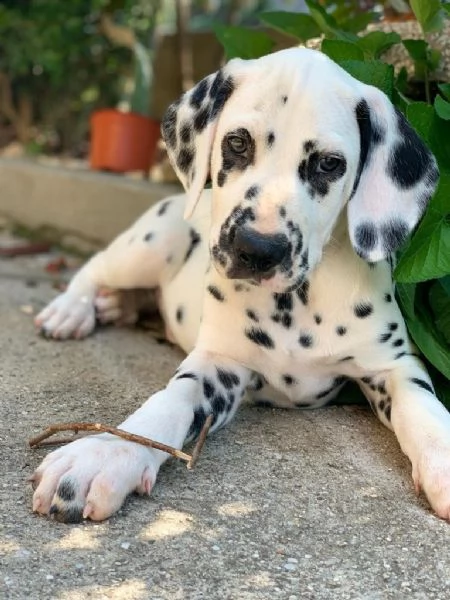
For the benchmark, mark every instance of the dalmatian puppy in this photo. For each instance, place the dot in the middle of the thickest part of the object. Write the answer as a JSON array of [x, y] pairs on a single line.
[[277, 280]]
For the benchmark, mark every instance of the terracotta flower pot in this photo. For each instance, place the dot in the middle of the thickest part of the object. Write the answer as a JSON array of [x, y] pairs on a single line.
[[122, 142]]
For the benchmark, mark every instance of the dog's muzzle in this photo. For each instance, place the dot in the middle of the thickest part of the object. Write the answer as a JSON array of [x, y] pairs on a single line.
[[256, 255]]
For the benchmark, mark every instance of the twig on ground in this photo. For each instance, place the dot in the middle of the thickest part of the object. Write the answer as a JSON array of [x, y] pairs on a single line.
[[41, 439], [201, 440]]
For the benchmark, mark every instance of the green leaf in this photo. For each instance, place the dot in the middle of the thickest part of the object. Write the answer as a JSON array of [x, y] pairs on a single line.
[[421, 327], [372, 72], [358, 22], [428, 13], [240, 42], [434, 130], [327, 23], [339, 50], [444, 88], [445, 282], [375, 43], [299, 25], [427, 256], [440, 307], [417, 49], [442, 108]]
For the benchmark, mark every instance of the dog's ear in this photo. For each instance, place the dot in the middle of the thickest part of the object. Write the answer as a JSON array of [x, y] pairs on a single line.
[[189, 126], [396, 178]]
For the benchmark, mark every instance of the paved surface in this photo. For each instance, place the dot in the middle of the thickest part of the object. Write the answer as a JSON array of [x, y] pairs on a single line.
[[289, 505]]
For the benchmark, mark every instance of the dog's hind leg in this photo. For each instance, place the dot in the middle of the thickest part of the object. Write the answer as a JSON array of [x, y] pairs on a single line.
[[148, 253]]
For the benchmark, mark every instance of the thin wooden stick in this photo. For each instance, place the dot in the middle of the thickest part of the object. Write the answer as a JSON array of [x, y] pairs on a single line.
[[41, 439], [131, 437], [201, 440]]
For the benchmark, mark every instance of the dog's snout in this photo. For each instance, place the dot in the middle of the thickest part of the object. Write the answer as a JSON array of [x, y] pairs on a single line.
[[259, 253]]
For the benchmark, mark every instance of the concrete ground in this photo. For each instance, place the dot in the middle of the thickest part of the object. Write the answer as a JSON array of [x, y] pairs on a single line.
[[289, 505]]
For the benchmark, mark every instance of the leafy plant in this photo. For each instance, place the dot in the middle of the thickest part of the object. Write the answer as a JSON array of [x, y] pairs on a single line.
[[423, 269]]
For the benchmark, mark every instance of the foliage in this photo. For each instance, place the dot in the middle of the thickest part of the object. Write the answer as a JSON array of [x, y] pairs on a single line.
[[55, 59], [423, 270]]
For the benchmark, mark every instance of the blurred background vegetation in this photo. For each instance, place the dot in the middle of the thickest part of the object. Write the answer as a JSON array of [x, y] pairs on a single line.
[[60, 60]]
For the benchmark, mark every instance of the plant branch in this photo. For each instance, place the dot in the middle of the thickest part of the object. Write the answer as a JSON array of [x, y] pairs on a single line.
[[130, 437]]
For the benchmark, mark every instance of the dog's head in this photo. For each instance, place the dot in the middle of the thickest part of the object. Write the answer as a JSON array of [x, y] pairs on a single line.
[[288, 141]]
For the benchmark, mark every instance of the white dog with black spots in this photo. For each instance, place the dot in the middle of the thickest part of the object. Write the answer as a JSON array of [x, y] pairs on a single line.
[[276, 281]]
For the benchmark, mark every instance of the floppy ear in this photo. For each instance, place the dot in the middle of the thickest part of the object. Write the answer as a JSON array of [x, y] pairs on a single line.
[[189, 126], [396, 178]]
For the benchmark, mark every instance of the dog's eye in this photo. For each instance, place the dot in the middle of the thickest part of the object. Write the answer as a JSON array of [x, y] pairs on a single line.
[[237, 144], [328, 164]]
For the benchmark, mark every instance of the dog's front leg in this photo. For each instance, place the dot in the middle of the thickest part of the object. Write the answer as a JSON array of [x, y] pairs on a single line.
[[422, 426], [91, 477]]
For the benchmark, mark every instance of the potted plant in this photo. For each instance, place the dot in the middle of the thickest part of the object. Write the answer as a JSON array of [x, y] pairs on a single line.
[[121, 140]]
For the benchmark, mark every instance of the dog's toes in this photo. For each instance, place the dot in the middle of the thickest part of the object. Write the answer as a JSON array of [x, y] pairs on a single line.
[[90, 478]]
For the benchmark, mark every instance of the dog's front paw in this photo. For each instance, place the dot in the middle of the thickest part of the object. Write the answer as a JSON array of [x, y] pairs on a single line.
[[91, 477], [68, 315], [431, 473]]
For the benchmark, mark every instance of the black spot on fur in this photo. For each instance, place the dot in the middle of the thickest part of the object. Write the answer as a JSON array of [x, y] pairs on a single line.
[[259, 337], [289, 379], [340, 330], [388, 298], [283, 301], [398, 343], [284, 99], [216, 293], [221, 178], [399, 355], [218, 405], [363, 310], [366, 237], [252, 315], [66, 490], [394, 234], [423, 384], [73, 514], [303, 292], [305, 340], [270, 139], [185, 133], [410, 159], [252, 192], [387, 412], [346, 358], [208, 388], [392, 326], [369, 136], [148, 236], [318, 319], [179, 314], [184, 159], [187, 375], [201, 119], [264, 403], [197, 423], [256, 382], [169, 126], [282, 212], [199, 93], [163, 208], [223, 93], [195, 241], [227, 378], [384, 337], [309, 146]]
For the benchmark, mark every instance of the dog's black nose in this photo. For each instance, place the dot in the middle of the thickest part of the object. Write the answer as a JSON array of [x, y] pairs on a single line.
[[258, 253]]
